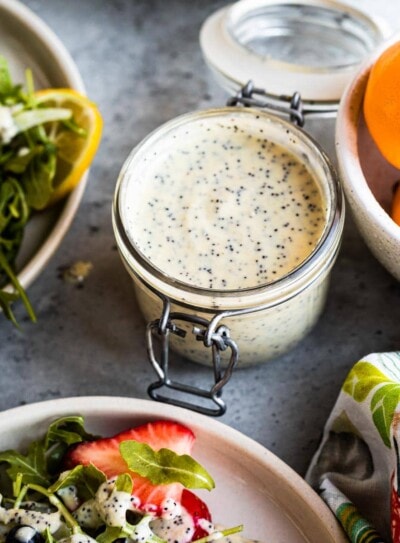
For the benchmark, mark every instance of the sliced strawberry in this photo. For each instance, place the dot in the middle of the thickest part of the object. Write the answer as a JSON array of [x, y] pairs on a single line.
[[162, 434], [105, 455], [197, 509]]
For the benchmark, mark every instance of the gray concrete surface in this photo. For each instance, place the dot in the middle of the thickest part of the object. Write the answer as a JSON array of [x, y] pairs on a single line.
[[141, 62]]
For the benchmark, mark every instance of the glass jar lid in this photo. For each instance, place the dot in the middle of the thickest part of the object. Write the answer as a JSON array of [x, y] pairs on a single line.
[[285, 46]]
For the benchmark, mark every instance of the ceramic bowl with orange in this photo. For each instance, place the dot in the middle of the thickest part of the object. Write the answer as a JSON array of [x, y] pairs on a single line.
[[368, 151]]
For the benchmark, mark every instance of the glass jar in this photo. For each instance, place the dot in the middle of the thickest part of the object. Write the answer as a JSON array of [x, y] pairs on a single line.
[[310, 47], [313, 47], [259, 321], [268, 42]]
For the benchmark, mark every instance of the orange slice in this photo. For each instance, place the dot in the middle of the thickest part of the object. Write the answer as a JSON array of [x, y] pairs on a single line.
[[382, 104], [75, 152], [395, 211]]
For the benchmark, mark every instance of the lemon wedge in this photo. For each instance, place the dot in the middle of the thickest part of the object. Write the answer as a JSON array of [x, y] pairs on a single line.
[[75, 151]]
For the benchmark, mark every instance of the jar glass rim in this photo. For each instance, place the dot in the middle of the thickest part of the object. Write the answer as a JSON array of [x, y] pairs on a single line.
[[362, 31], [262, 40], [330, 237]]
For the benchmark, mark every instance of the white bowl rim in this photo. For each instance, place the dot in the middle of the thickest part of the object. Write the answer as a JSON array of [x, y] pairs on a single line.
[[347, 154], [67, 66], [118, 405]]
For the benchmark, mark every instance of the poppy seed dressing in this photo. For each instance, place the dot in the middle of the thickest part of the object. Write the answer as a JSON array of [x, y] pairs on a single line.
[[234, 217], [218, 205]]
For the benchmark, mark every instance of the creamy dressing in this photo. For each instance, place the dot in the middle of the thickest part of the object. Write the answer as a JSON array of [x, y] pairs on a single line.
[[221, 206], [228, 201], [40, 521], [170, 508], [143, 532], [87, 515], [69, 496], [179, 528], [112, 504]]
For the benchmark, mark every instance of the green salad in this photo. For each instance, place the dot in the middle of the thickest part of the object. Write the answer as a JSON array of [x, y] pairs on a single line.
[[28, 164], [134, 487]]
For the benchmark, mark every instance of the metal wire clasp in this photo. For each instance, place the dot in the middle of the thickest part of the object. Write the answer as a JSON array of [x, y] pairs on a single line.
[[246, 97], [219, 340], [297, 109]]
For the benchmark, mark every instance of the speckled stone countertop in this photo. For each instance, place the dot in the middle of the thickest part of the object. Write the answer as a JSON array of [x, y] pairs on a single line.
[[141, 62]]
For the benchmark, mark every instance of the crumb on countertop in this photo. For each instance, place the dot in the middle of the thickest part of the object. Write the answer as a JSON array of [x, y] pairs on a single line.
[[77, 272]]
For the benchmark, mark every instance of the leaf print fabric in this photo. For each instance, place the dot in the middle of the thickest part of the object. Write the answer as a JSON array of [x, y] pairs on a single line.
[[363, 379], [356, 467]]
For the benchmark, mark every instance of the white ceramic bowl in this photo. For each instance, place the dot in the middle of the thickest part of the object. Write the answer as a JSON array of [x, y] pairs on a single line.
[[27, 42], [367, 177], [253, 486]]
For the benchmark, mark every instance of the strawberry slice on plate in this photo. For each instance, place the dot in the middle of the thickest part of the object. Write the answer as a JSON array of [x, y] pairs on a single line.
[[105, 455], [198, 511]]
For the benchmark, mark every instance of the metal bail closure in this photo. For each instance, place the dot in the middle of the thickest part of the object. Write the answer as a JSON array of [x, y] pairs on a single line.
[[245, 97], [218, 339], [293, 106]]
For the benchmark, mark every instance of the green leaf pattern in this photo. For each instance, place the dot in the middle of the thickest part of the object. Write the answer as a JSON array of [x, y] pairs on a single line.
[[366, 379]]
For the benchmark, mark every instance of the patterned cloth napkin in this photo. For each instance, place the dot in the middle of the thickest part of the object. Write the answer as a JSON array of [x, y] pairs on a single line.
[[356, 467]]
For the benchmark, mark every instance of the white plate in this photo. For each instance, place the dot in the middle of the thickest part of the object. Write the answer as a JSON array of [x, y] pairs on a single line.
[[253, 486], [27, 42]]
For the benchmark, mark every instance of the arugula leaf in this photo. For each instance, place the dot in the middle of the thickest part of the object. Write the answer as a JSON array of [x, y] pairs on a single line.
[[124, 483], [69, 430], [86, 479], [18, 164], [37, 179], [17, 484], [29, 468], [44, 456], [61, 434], [6, 299], [165, 466], [6, 85]]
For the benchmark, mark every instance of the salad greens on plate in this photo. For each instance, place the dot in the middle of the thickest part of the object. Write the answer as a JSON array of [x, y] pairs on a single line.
[[42, 149], [74, 487]]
